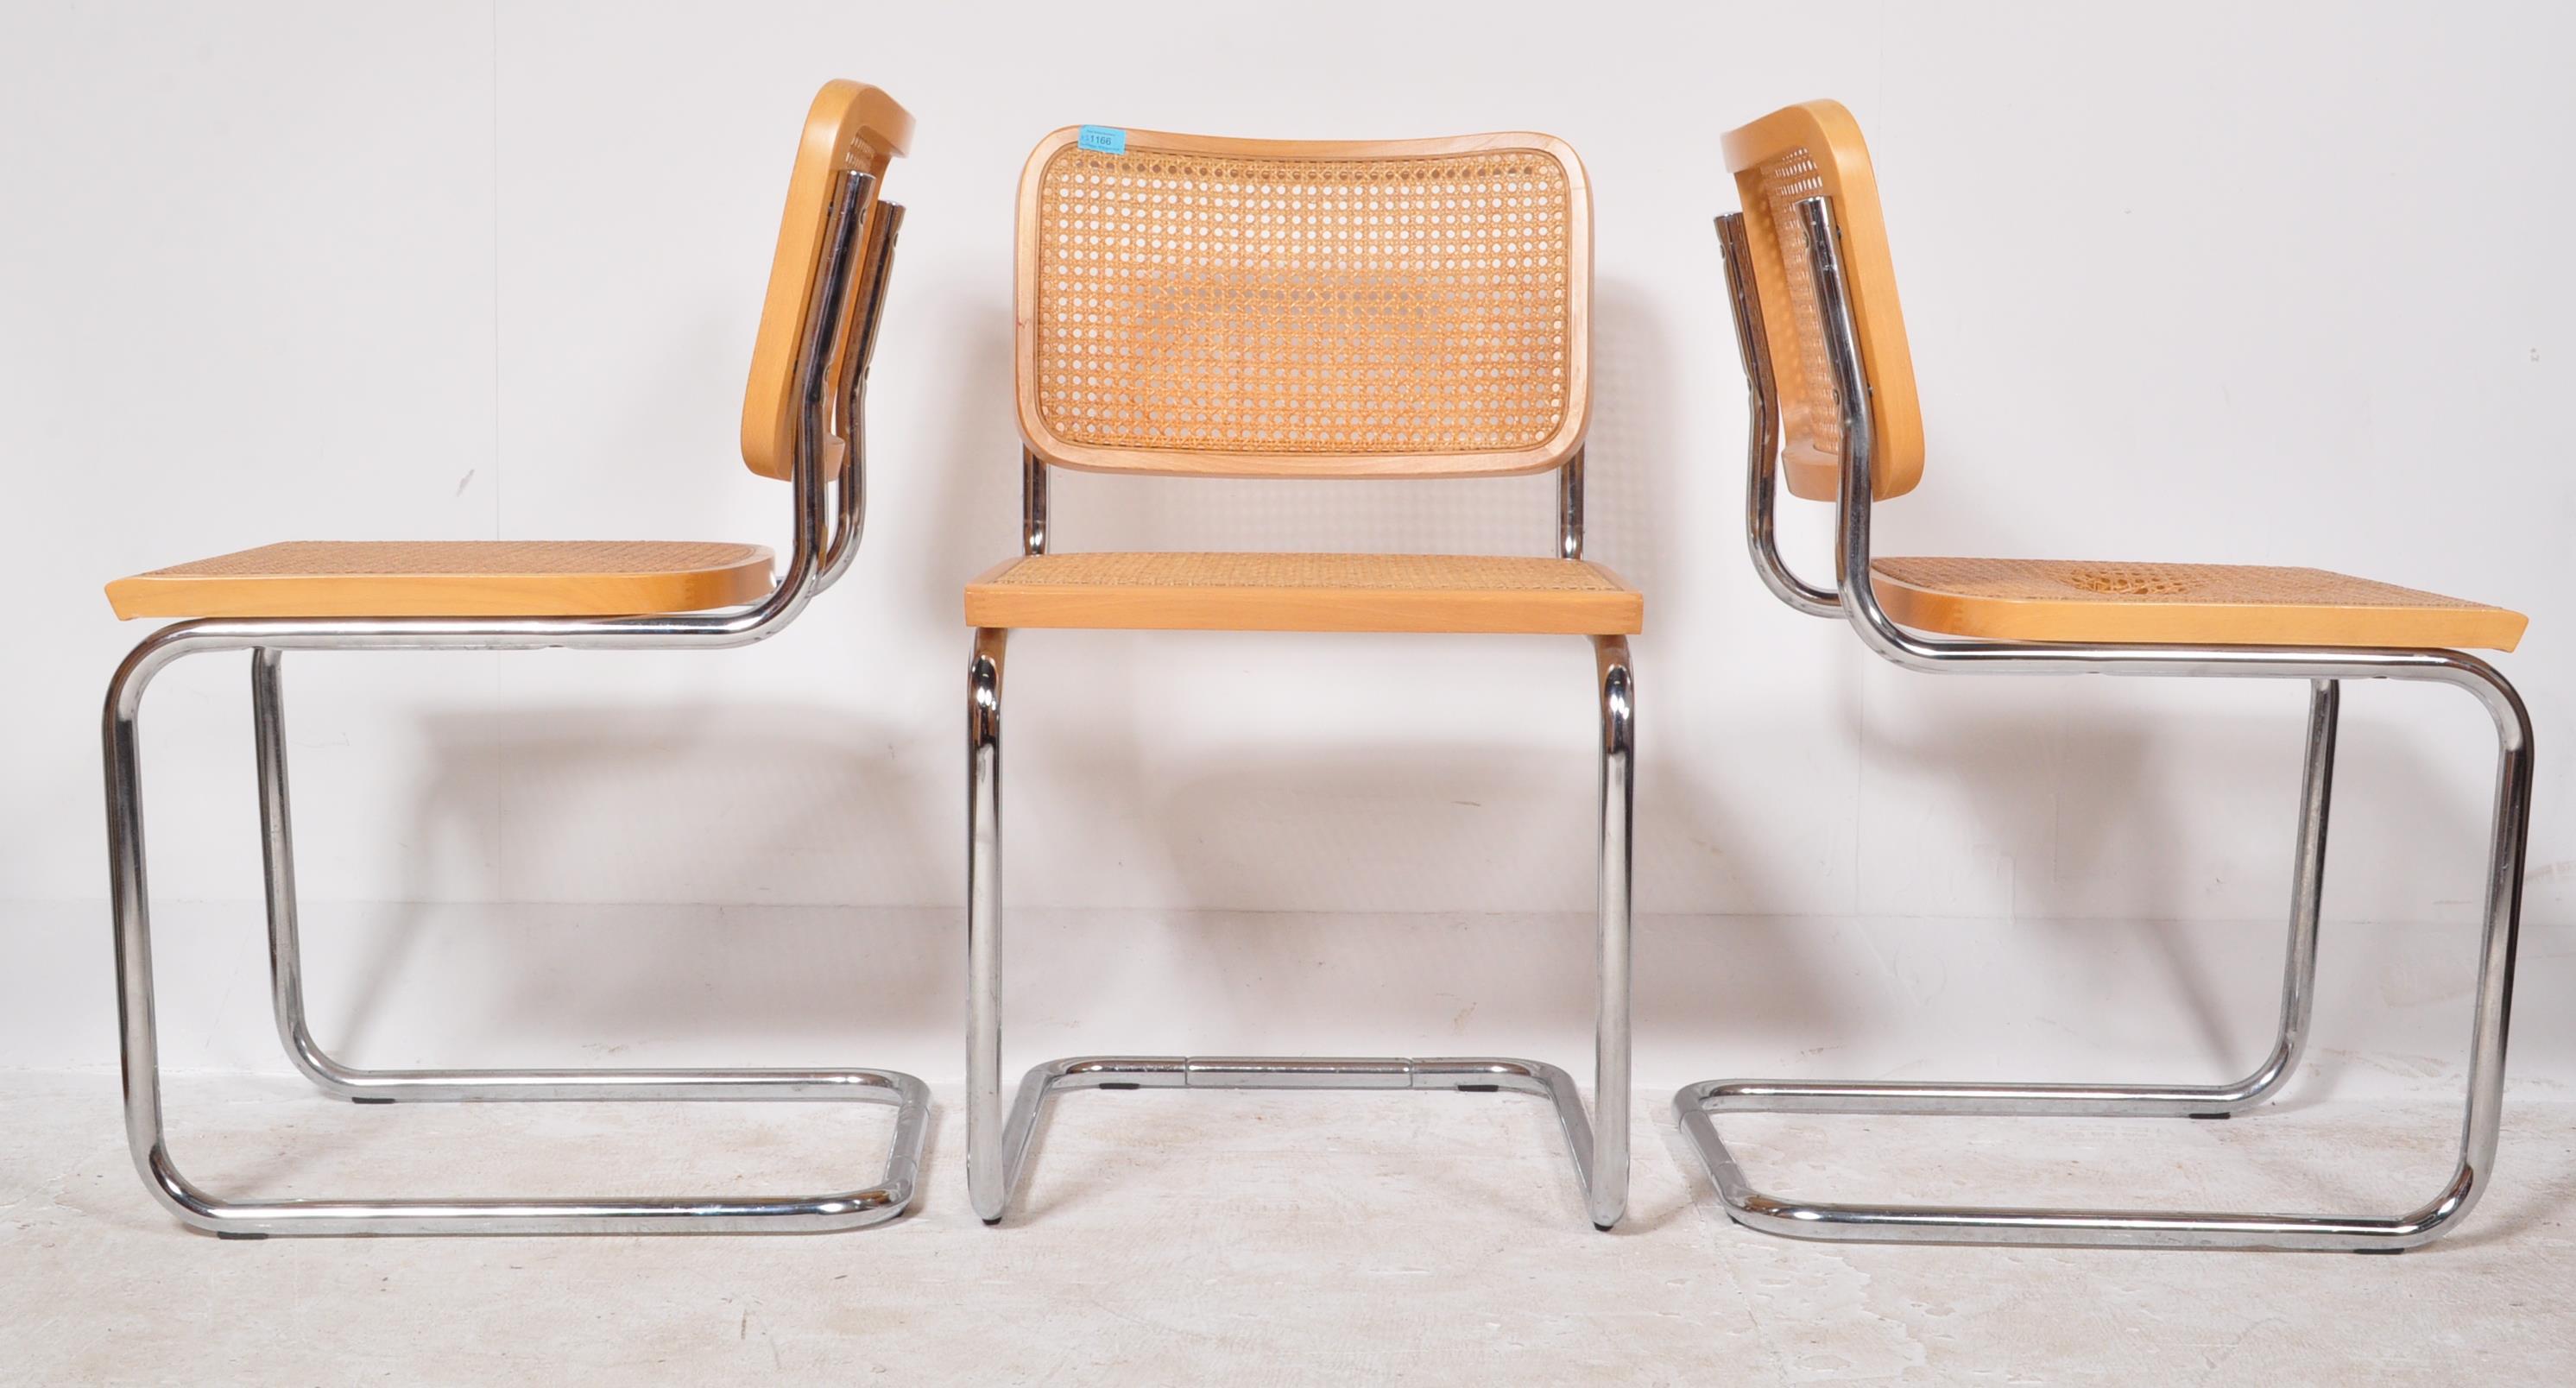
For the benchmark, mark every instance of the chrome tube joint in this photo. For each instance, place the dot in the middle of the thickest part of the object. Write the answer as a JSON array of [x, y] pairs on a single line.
[[1033, 502], [1569, 507]]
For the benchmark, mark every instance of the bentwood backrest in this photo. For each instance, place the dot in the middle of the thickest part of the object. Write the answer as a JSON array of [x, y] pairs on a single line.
[[1221, 307], [1810, 150], [851, 127]]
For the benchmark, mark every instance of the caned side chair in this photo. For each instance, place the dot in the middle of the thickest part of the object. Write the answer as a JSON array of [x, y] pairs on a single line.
[[801, 425], [1191, 306], [1834, 414]]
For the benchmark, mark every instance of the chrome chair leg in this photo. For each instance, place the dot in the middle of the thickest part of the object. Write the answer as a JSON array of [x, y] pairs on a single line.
[[988, 1175], [997, 1151], [1606, 1182], [1695, 1103], [884, 1200]]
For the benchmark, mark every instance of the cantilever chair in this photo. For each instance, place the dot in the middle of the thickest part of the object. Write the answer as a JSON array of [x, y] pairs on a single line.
[[1833, 408], [1190, 306], [802, 426]]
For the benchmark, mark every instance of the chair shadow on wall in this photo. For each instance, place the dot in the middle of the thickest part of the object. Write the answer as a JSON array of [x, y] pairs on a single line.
[[2122, 845], [1707, 989], [808, 800], [1360, 812], [803, 811]]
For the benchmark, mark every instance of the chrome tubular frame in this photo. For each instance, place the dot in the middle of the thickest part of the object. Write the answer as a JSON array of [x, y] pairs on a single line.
[[1569, 507], [1033, 503], [2323, 668], [997, 1151], [825, 540]]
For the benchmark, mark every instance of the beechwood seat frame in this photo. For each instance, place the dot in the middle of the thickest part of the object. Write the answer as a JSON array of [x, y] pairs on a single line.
[[998, 1147], [833, 299], [1829, 272]]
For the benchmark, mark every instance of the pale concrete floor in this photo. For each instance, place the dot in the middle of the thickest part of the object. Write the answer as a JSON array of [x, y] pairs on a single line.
[[1170, 1238]]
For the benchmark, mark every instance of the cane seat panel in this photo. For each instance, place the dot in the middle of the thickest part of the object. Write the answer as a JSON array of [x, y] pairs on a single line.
[[2182, 604], [452, 578]]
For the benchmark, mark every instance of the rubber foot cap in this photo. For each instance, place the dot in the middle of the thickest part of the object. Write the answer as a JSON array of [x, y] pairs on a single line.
[[2213, 1117], [993, 1221], [368, 1099], [1604, 1228], [2381, 1252], [237, 1234]]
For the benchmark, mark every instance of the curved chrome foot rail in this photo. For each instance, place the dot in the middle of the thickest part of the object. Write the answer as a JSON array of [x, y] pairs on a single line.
[[1465, 1074], [888, 1197], [1695, 1104], [2013, 1225]]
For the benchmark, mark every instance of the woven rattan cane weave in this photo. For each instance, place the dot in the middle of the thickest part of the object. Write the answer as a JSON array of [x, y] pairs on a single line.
[[1806, 151], [2221, 604], [1246, 307]]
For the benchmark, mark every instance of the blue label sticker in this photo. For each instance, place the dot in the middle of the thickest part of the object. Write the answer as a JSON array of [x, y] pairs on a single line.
[[1104, 139]]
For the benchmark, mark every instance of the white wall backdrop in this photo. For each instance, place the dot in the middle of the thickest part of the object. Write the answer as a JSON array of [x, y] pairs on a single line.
[[2266, 284]]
